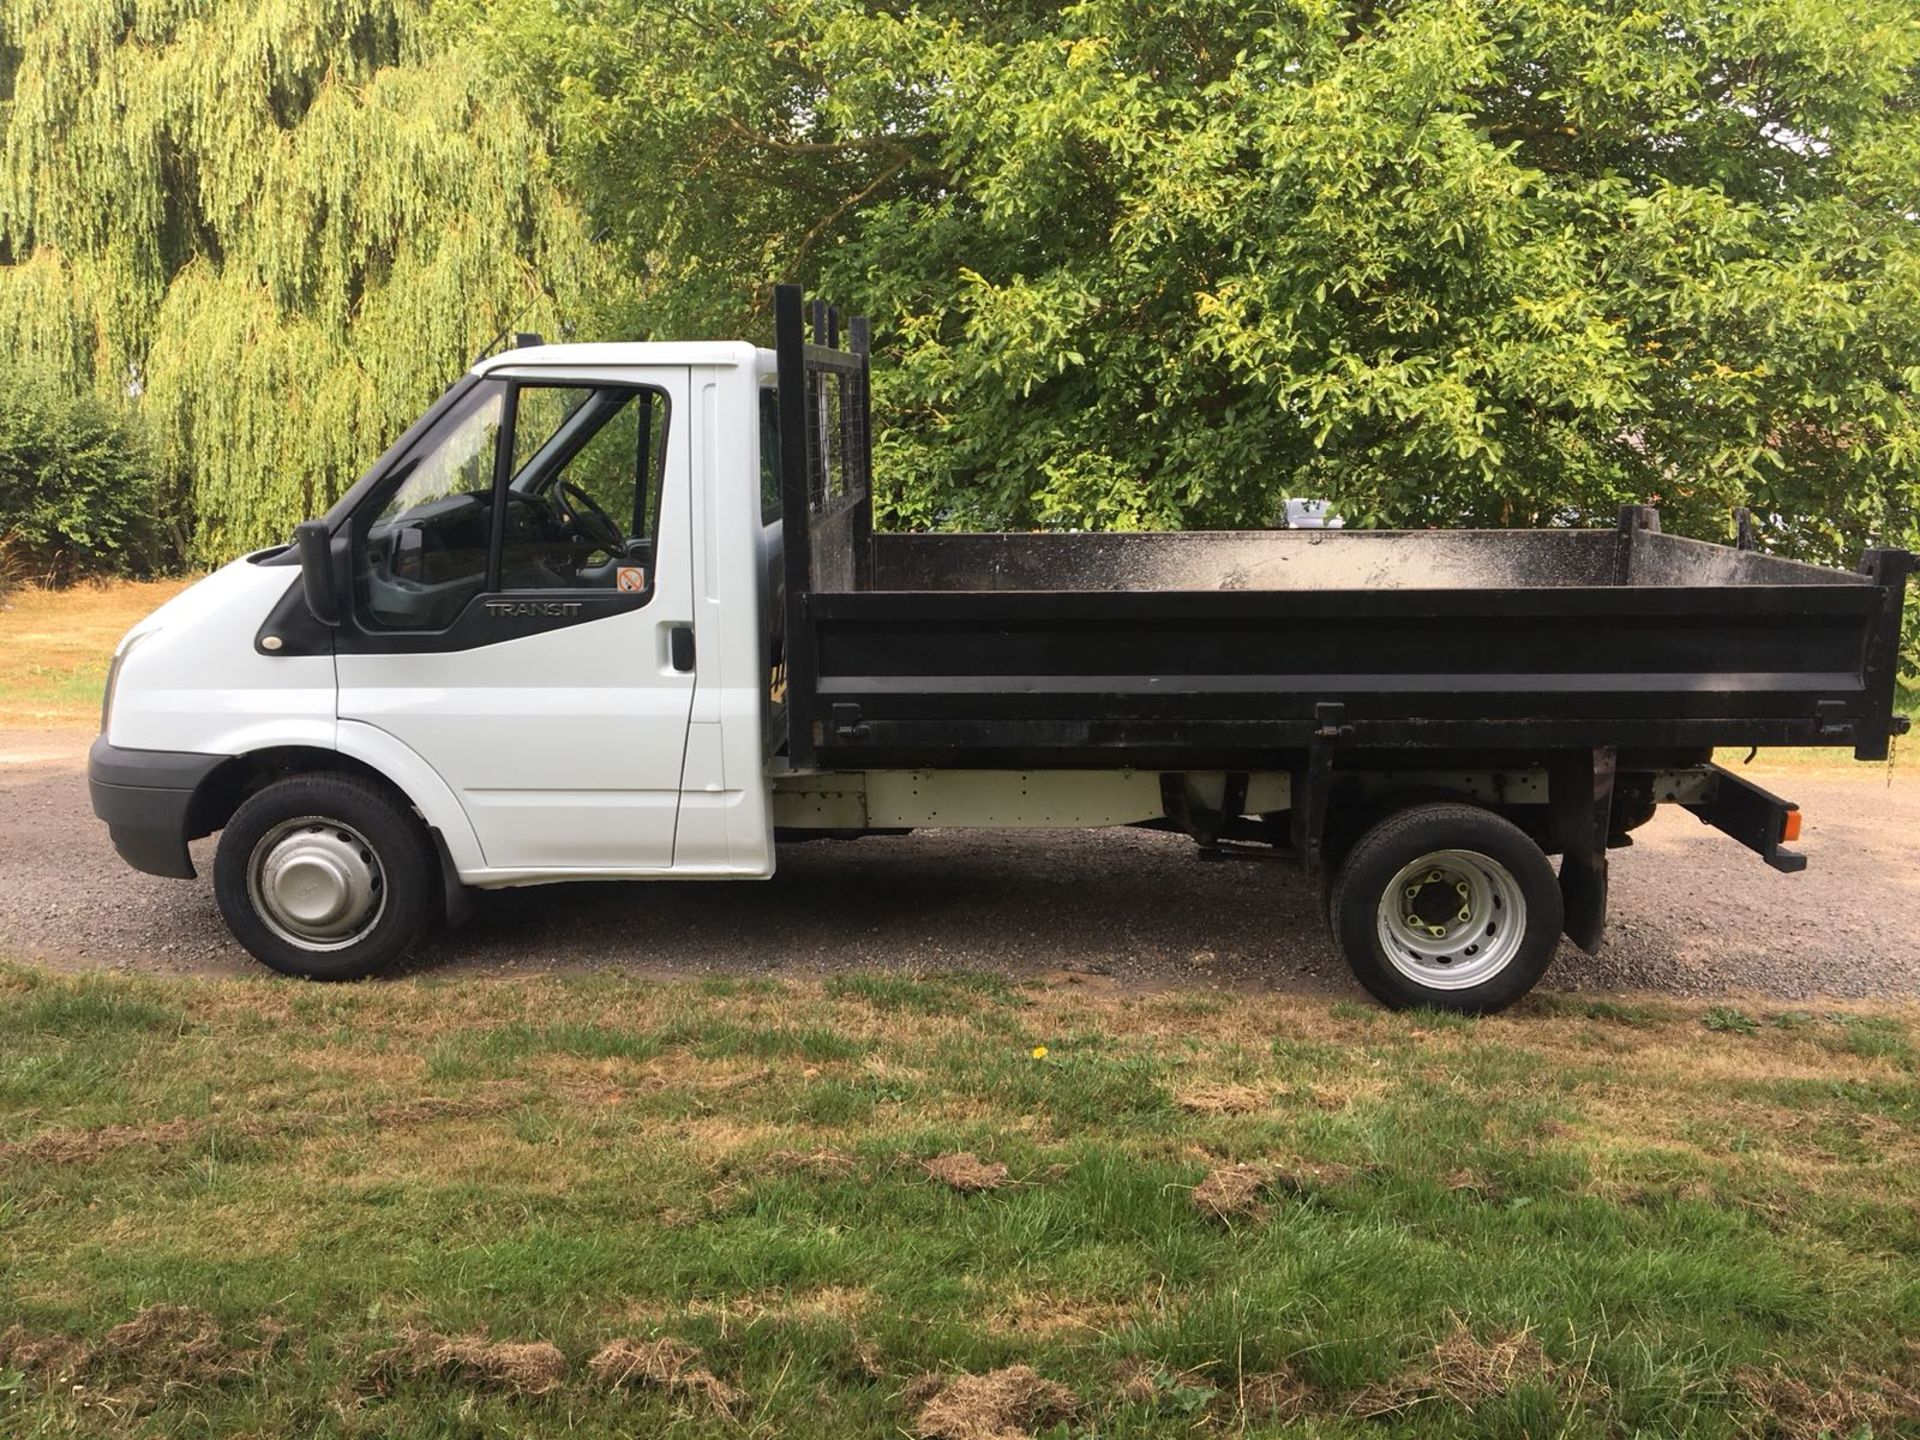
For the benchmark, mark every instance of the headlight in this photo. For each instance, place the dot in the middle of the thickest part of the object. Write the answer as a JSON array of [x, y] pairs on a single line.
[[106, 697]]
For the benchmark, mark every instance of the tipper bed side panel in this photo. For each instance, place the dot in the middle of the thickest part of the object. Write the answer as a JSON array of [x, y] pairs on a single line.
[[1220, 677]]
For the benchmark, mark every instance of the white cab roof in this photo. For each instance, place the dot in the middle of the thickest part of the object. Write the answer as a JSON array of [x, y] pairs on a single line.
[[629, 352]]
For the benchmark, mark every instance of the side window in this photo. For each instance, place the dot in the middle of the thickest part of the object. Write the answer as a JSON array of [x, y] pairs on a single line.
[[581, 512], [769, 454], [424, 557], [583, 508]]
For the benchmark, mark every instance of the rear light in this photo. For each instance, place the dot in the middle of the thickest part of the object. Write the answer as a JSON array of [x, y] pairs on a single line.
[[1790, 827]]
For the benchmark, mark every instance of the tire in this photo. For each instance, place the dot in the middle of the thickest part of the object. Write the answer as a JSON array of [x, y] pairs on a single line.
[[325, 877], [1463, 874]]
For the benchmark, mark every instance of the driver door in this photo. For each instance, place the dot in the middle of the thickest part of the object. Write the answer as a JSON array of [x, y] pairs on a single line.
[[523, 611]]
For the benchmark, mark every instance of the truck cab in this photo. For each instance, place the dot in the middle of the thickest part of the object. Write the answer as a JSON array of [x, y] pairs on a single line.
[[568, 680]]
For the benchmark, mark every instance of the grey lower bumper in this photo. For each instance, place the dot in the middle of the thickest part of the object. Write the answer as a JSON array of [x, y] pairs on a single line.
[[146, 798]]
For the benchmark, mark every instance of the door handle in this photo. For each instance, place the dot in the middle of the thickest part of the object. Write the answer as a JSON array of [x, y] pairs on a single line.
[[680, 648]]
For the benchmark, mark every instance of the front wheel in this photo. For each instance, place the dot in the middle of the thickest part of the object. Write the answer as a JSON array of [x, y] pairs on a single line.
[[1448, 906], [327, 877]]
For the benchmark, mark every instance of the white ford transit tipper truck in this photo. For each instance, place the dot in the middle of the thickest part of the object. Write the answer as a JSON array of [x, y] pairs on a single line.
[[618, 612]]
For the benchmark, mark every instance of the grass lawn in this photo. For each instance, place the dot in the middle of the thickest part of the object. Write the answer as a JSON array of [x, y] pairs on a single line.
[[614, 1206], [55, 645]]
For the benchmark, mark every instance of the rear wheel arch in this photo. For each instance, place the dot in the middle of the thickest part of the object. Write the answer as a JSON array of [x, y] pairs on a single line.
[[1346, 823]]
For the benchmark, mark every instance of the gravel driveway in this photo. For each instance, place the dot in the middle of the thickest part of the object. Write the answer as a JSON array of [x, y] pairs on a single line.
[[1693, 913]]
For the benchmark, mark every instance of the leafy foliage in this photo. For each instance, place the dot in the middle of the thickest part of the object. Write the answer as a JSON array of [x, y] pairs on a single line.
[[78, 483], [288, 225], [1488, 262]]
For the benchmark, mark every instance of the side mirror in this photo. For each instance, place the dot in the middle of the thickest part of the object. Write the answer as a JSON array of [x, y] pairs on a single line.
[[314, 544]]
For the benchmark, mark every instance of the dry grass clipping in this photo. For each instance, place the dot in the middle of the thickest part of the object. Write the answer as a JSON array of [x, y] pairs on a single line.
[[179, 1344], [1222, 1100], [1136, 1380], [1851, 1404], [161, 1347], [1000, 1405], [73, 1147], [54, 1358], [1302, 1177], [517, 1367], [1462, 1369], [822, 1162], [663, 1364], [966, 1172], [1273, 1395], [1231, 1193]]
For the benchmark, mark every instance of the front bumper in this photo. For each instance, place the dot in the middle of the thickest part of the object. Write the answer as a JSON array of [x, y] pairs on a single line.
[[146, 798]]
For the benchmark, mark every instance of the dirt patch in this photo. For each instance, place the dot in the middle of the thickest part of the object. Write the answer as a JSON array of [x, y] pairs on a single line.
[[1222, 1100], [1268, 1396], [1231, 1193], [516, 1367], [1463, 1369], [1849, 1403], [663, 1364], [967, 1172], [1004, 1404], [77, 1147]]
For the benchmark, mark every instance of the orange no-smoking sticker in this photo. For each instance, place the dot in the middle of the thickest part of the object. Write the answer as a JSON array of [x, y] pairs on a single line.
[[630, 578]]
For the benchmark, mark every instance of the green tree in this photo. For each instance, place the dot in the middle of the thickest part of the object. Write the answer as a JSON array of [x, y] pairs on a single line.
[[1486, 262], [280, 227], [78, 484]]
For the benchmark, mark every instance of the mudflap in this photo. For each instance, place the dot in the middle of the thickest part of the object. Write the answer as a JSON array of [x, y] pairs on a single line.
[[1580, 798], [1583, 891]]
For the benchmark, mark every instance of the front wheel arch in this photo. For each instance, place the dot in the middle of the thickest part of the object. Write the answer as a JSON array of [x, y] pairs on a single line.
[[229, 785]]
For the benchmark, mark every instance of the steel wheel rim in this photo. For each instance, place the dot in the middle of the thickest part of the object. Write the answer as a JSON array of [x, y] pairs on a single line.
[[316, 883], [1474, 937]]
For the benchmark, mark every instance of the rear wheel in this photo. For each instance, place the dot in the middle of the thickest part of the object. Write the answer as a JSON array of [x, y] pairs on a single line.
[[327, 877], [1448, 906]]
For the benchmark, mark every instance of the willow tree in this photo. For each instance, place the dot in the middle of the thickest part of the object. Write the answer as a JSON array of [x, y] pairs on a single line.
[[278, 228]]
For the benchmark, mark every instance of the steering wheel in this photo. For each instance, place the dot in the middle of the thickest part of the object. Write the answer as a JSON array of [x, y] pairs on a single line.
[[580, 511]]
